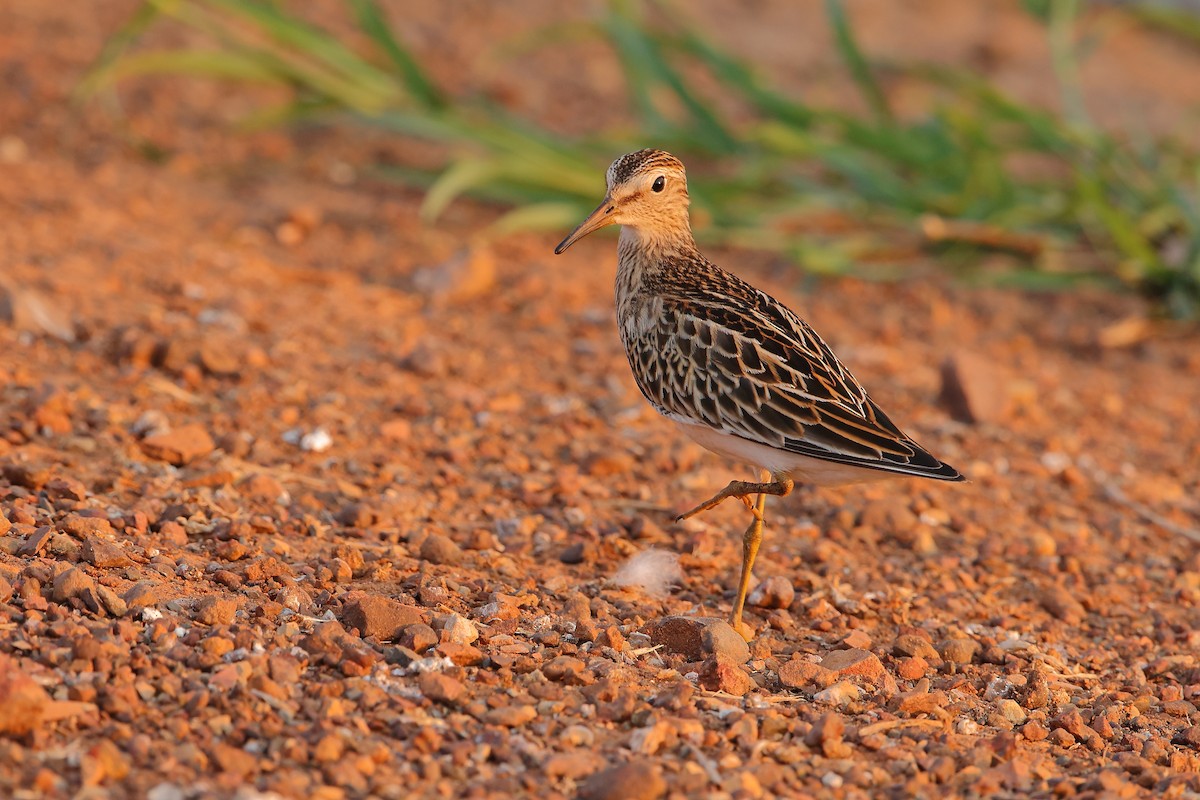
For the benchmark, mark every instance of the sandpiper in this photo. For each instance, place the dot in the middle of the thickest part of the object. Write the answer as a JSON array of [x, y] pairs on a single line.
[[736, 369]]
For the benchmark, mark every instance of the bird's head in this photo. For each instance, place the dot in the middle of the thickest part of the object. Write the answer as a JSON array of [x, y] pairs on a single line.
[[647, 191]]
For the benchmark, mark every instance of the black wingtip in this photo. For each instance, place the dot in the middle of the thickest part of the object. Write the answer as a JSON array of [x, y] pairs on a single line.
[[949, 473]]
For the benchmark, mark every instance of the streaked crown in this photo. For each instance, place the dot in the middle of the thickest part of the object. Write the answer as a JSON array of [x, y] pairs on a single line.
[[640, 162]]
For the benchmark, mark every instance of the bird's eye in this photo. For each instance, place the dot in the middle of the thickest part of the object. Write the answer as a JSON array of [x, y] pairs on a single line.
[[659, 183]]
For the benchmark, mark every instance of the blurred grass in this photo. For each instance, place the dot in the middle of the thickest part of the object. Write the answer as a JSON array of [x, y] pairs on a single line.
[[977, 171]]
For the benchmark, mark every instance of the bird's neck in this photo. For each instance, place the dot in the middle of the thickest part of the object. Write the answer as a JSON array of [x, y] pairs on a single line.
[[647, 250], [641, 257]]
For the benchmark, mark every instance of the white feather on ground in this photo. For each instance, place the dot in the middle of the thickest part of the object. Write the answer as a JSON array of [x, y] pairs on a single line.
[[653, 571]]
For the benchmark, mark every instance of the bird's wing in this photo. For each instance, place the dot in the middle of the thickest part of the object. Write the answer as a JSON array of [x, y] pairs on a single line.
[[739, 361]]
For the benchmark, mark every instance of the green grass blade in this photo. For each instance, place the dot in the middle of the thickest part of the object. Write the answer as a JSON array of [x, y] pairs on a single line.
[[856, 62], [372, 21], [200, 63], [100, 74]]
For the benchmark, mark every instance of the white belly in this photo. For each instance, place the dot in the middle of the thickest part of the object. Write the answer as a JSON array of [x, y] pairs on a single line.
[[780, 463]]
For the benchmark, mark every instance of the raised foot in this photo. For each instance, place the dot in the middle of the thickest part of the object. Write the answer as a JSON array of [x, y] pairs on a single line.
[[743, 491]]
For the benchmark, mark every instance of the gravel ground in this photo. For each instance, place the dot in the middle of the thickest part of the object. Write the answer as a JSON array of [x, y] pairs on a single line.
[[298, 496]]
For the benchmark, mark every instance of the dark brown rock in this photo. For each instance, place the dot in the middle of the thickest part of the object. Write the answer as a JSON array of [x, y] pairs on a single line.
[[697, 638]]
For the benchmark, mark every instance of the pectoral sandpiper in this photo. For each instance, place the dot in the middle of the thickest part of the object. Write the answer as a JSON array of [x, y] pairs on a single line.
[[737, 370]]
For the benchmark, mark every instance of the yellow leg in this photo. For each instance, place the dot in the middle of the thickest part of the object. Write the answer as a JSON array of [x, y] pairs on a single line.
[[751, 540]]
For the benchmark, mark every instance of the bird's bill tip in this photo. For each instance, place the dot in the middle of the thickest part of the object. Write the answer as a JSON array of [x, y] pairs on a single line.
[[598, 219]]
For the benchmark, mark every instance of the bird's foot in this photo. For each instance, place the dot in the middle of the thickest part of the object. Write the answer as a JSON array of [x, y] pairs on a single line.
[[744, 630], [744, 491]]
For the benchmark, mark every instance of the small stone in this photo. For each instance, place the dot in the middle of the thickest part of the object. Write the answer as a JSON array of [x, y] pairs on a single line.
[[959, 651], [676, 696], [1037, 691], [633, 780], [578, 736], [329, 749], [440, 688], [418, 637], [798, 674], [233, 760], [912, 645], [837, 694], [264, 489], [1188, 737], [231, 550], [1179, 708], [396, 430], [82, 527], [104, 554], [1034, 731], [458, 629], [102, 762], [440, 549], [173, 533], [23, 702], [1011, 710], [720, 640], [828, 727], [468, 274], [72, 583], [722, 674], [568, 670], [216, 611], [218, 357], [612, 637], [179, 446], [381, 617], [510, 716], [827, 735], [857, 639], [913, 668], [774, 592], [921, 702], [1061, 737], [1062, 604], [855, 662], [651, 739], [574, 553], [464, 655], [697, 638], [111, 601], [974, 389], [573, 766]]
